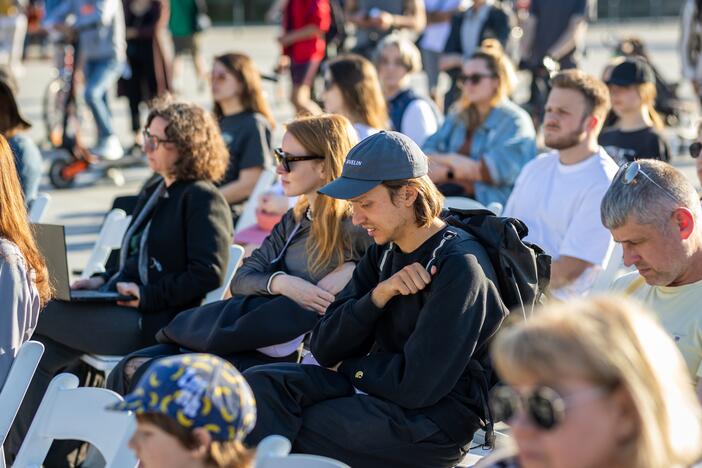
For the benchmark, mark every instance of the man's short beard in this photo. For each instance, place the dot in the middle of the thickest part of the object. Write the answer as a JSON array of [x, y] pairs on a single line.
[[574, 138]]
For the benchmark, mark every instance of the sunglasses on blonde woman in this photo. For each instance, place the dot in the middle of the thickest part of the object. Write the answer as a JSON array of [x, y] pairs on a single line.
[[285, 159], [544, 406]]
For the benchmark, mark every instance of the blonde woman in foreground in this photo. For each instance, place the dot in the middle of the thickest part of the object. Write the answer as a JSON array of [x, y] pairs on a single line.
[[594, 383]]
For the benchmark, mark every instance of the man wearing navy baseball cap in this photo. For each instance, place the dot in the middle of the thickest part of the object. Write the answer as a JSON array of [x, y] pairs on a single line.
[[403, 350]]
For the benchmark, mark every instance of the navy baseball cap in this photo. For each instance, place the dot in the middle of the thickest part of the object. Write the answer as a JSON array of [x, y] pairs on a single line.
[[630, 71], [196, 390], [379, 157]]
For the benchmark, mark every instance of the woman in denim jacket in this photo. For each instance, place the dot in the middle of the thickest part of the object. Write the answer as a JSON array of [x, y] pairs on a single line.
[[479, 151]]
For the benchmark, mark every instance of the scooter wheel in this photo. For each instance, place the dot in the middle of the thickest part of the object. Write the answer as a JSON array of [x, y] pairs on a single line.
[[56, 174]]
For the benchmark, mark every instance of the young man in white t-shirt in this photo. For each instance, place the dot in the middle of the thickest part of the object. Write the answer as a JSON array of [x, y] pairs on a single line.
[[654, 212], [558, 194]]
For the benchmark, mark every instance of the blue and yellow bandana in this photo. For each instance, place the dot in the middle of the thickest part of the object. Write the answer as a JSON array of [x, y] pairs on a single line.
[[197, 390]]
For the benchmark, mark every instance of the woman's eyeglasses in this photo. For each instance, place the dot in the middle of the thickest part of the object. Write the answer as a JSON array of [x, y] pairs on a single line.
[[630, 171], [695, 149], [544, 406], [151, 142], [285, 159], [473, 78]]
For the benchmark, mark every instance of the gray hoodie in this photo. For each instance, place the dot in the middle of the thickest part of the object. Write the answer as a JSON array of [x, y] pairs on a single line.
[[19, 305], [100, 24]]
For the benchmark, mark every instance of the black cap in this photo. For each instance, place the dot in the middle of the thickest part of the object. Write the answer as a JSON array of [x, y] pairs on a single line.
[[379, 157], [632, 70]]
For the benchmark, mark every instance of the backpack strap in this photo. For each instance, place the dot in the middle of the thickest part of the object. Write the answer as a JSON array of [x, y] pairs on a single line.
[[448, 235]]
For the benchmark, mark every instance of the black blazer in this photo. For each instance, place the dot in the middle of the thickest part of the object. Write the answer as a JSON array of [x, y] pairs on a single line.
[[188, 246]]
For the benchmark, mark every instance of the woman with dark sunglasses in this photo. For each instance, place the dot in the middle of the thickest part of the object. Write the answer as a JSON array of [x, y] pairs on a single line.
[[695, 150], [246, 123], [283, 288], [594, 383], [480, 150]]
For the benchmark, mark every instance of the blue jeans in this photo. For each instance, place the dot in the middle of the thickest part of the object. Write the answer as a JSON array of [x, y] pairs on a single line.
[[100, 76]]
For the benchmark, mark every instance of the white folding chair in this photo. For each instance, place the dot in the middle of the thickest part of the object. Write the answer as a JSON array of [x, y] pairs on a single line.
[[68, 412], [38, 207], [110, 238], [15, 387], [236, 252], [248, 215], [463, 203], [612, 270], [274, 452]]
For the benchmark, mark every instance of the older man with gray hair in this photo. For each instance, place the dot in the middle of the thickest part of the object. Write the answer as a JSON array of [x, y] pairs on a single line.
[[654, 212]]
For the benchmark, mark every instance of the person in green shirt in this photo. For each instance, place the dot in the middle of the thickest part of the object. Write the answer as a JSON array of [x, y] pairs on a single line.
[[185, 25]]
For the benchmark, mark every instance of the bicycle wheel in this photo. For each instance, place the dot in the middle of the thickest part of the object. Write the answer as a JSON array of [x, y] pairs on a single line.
[[53, 108]]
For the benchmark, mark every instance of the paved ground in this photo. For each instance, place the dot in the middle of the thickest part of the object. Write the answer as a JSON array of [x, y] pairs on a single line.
[[81, 208]]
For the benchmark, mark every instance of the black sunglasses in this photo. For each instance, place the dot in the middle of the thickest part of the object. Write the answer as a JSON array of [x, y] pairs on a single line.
[[695, 149], [628, 173], [286, 158], [544, 406], [473, 78]]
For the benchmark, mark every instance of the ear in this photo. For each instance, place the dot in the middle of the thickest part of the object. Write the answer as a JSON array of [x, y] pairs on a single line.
[[592, 122], [685, 221], [204, 440], [624, 408], [321, 170], [409, 195]]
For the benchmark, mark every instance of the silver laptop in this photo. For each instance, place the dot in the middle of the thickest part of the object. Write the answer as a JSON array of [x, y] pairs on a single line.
[[51, 241]]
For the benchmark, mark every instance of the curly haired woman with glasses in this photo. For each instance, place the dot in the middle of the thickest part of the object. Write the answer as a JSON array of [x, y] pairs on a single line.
[[174, 252]]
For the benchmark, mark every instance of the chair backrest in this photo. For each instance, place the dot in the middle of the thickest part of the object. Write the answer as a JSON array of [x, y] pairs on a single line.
[[38, 207], [68, 412], [248, 215], [15, 386], [235, 254], [610, 271], [463, 203], [110, 238], [274, 452]]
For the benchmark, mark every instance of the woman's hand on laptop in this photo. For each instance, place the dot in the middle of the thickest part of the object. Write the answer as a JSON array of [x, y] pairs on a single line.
[[129, 289], [88, 283]]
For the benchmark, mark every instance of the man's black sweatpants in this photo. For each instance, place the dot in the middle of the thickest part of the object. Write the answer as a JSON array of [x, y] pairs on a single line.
[[319, 411]]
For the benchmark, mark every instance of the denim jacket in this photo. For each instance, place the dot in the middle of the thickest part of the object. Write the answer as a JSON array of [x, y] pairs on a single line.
[[505, 141]]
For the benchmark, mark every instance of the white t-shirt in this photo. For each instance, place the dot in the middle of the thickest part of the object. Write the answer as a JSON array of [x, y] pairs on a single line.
[[435, 34], [419, 121], [560, 205], [364, 131]]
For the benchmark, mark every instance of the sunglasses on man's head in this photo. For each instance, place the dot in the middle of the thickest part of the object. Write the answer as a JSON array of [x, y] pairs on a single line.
[[544, 406], [628, 173], [285, 159], [473, 78], [695, 149]]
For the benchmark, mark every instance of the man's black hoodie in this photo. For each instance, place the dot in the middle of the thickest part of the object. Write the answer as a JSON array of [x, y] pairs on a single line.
[[416, 350]]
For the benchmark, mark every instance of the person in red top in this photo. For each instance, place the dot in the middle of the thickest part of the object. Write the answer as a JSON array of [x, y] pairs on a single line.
[[305, 23]]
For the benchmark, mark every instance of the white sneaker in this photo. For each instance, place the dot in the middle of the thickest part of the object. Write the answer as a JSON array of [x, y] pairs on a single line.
[[109, 148]]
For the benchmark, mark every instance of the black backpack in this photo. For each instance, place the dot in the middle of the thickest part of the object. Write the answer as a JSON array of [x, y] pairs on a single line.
[[523, 273], [523, 269]]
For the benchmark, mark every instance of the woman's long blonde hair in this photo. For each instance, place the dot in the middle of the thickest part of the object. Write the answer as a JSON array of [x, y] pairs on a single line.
[[614, 343], [331, 136], [647, 91], [497, 62], [14, 225]]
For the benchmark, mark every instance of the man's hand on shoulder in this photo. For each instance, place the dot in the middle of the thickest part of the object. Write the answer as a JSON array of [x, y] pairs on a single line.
[[410, 280]]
